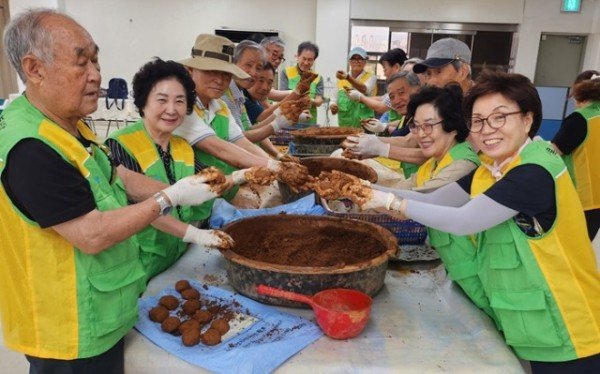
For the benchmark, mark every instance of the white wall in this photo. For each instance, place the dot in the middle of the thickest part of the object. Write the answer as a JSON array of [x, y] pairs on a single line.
[[332, 37], [131, 32], [544, 16], [479, 11]]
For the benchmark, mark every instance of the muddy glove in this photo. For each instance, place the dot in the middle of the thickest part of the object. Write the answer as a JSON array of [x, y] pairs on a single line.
[[334, 108], [341, 75], [355, 95], [280, 121], [382, 199], [368, 145], [190, 191], [375, 126], [208, 238], [239, 176], [304, 116], [273, 165]]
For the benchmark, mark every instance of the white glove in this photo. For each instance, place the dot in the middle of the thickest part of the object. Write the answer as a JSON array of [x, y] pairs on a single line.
[[280, 122], [369, 145], [304, 116], [355, 95], [381, 199], [189, 191], [273, 165], [239, 176], [375, 126], [207, 238]]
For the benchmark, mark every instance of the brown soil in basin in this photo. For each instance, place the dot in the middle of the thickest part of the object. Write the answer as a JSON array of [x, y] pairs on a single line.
[[304, 243], [316, 165], [323, 132]]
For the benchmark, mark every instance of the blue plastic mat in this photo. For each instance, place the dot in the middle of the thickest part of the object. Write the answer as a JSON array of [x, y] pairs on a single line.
[[260, 348], [224, 213]]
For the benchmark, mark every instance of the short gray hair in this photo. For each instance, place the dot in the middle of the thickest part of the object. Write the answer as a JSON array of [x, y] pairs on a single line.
[[26, 35], [408, 76], [412, 60], [246, 45], [272, 40]]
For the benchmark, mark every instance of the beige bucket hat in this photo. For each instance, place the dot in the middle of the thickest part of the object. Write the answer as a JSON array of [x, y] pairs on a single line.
[[212, 52]]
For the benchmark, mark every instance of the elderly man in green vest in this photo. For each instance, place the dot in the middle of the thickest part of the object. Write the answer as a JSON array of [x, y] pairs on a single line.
[[349, 112], [69, 264], [306, 56]]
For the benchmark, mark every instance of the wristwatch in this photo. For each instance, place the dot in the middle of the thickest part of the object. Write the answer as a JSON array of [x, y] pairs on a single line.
[[163, 203]]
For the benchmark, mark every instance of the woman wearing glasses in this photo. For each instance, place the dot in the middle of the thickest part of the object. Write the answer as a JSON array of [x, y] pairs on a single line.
[[164, 93], [534, 258]]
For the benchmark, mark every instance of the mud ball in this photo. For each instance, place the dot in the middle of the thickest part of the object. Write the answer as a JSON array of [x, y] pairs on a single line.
[[202, 316], [221, 325], [170, 325], [211, 337], [182, 285], [190, 337], [158, 313], [190, 324], [191, 306], [190, 293], [170, 302]]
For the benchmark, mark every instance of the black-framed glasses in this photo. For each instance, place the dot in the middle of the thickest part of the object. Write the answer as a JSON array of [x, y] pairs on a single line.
[[494, 121], [427, 127], [277, 57]]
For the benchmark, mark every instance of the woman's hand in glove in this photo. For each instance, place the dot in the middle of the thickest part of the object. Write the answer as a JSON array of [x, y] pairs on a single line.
[[367, 145], [374, 125], [208, 238], [380, 199], [191, 191]]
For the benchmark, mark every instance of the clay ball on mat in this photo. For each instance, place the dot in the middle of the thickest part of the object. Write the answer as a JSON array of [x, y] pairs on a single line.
[[190, 324], [171, 324], [182, 285], [211, 337], [203, 316], [190, 337], [158, 313], [221, 325], [190, 293], [170, 302], [191, 306]]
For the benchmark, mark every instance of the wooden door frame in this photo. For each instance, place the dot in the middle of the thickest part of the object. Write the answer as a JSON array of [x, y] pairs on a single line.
[[8, 75]]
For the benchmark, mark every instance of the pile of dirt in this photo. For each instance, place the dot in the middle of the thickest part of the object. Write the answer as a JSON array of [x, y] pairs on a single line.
[[301, 241]]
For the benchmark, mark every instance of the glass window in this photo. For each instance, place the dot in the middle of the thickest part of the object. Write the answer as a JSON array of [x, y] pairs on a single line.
[[399, 40], [372, 39]]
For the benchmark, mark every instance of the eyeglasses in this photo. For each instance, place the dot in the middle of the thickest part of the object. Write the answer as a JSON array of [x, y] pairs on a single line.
[[426, 127], [277, 58], [357, 59], [494, 120]]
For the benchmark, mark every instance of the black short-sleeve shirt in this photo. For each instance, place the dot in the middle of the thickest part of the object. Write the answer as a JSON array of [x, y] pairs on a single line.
[[43, 186], [571, 134], [528, 189]]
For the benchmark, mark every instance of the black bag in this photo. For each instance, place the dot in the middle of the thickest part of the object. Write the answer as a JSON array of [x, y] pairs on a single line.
[[117, 89]]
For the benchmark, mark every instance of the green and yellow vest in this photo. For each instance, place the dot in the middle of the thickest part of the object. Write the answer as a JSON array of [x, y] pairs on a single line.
[[458, 253], [293, 75], [56, 301], [583, 162], [160, 250], [408, 169], [544, 290], [351, 112], [220, 125]]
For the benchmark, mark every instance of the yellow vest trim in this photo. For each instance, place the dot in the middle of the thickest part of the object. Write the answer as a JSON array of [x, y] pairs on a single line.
[[67, 144]]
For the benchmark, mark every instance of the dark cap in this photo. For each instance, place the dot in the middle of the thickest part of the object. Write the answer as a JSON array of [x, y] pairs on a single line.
[[443, 52]]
